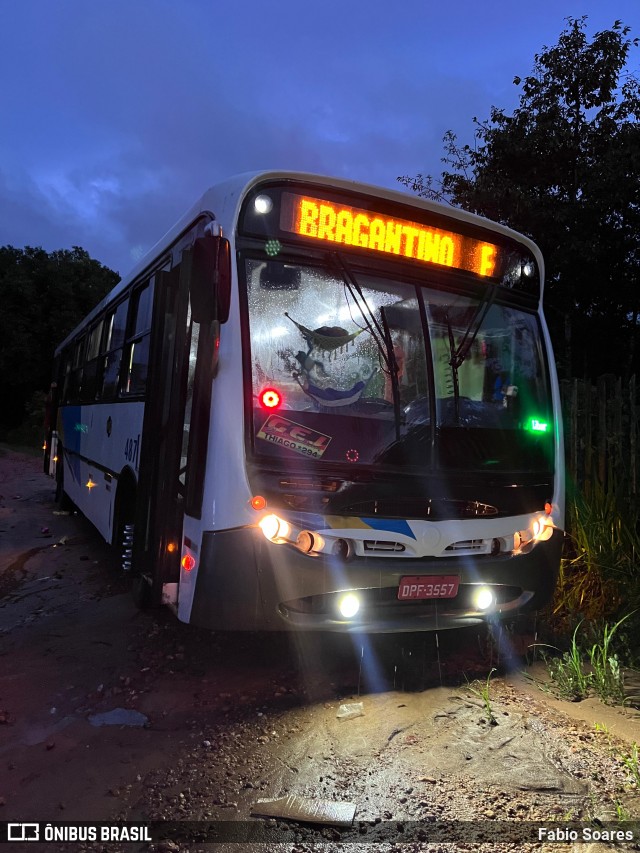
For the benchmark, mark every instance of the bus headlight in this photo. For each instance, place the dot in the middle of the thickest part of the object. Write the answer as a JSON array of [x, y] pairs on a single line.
[[348, 605], [263, 204], [542, 528], [275, 529]]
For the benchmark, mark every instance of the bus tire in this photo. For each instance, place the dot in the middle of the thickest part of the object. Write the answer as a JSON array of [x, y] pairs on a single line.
[[62, 499]]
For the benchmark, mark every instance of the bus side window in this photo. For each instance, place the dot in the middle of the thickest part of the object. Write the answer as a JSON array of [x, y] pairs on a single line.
[[112, 342], [67, 362], [74, 388], [134, 380], [89, 378]]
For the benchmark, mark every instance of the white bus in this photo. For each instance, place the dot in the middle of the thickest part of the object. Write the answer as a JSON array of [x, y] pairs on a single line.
[[321, 405]]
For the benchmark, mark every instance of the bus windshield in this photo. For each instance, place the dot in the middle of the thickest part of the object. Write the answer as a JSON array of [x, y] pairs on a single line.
[[361, 369]]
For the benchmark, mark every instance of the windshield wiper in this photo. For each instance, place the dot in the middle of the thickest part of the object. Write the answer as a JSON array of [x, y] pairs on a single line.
[[378, 331], [460, 352], [453, 363]]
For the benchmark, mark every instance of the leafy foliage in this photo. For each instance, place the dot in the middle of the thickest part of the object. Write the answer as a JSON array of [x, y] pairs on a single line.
[[565, 170], [43, 296]]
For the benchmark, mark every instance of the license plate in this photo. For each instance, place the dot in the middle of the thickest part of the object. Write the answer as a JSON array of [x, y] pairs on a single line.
[[433, 586]]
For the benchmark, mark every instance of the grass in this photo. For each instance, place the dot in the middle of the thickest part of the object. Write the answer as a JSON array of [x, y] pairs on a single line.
[[622, 813], [598, 590], [599, 570], [579, 672], [603, 728], [607, 675], [567, 672], [630, 760], [484, 693], [632, 764]]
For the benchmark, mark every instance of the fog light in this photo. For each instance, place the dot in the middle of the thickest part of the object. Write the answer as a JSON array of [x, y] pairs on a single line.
[[343, 549], [523, 541], [349, 605], [308, 541], [305, 541], [274, 528], [483, 598]]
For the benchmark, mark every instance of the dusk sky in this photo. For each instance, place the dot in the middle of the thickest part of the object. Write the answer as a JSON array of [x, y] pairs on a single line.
[[117, 115]]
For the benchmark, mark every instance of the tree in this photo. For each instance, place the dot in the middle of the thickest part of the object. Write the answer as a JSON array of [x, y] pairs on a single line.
[[43, 297], [565, 170]]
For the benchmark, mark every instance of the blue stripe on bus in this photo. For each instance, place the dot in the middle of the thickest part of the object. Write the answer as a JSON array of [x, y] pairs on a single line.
[[390, 525], [311, 521]]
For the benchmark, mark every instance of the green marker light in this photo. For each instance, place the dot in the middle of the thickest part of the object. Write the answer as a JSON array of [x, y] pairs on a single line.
[[535, 425], [273, 248]]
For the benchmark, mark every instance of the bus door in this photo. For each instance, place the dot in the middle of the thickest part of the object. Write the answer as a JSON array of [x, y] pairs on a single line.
[[176, 422]]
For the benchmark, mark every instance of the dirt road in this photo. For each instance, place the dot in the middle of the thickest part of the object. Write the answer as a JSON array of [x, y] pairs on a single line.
[[112, 714]]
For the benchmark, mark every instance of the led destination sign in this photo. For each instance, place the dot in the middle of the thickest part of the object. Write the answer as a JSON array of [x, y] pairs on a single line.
[[352, 226]]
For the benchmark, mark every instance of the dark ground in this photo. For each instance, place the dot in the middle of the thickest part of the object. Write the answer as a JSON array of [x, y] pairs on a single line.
[[230, 719]]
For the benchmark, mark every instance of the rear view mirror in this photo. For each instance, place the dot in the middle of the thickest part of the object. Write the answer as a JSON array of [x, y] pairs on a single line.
[[278, 276], [211, 279]]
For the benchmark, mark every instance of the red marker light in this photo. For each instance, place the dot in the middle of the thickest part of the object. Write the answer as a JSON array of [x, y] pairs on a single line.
[[270, 398], [188, 562], [258, 502]]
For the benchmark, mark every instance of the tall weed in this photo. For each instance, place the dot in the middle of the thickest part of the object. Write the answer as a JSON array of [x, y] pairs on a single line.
[[607, 676], [579, 671], [567, 674], [599, 570]]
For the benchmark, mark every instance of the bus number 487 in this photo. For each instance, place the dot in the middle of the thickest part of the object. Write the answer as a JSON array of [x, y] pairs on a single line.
[[131, 450]]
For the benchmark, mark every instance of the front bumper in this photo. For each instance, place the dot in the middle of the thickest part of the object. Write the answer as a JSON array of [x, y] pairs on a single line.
[[248, 583]]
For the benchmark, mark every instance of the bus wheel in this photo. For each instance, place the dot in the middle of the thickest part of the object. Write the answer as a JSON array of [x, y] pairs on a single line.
[[63, 500]]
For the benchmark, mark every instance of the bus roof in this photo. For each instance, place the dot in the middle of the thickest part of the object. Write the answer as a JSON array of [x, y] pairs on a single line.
[[222, 202]]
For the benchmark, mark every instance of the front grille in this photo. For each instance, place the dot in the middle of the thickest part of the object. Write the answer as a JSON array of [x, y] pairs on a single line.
[[418, 508], [382, 545], [310, 484], [467, 545]]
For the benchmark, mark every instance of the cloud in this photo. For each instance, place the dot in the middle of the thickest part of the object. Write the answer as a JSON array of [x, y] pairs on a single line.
[[117, 116]]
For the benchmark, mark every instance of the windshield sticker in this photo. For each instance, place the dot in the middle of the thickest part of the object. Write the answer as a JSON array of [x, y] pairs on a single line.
[[315, 376], [293, 436]]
